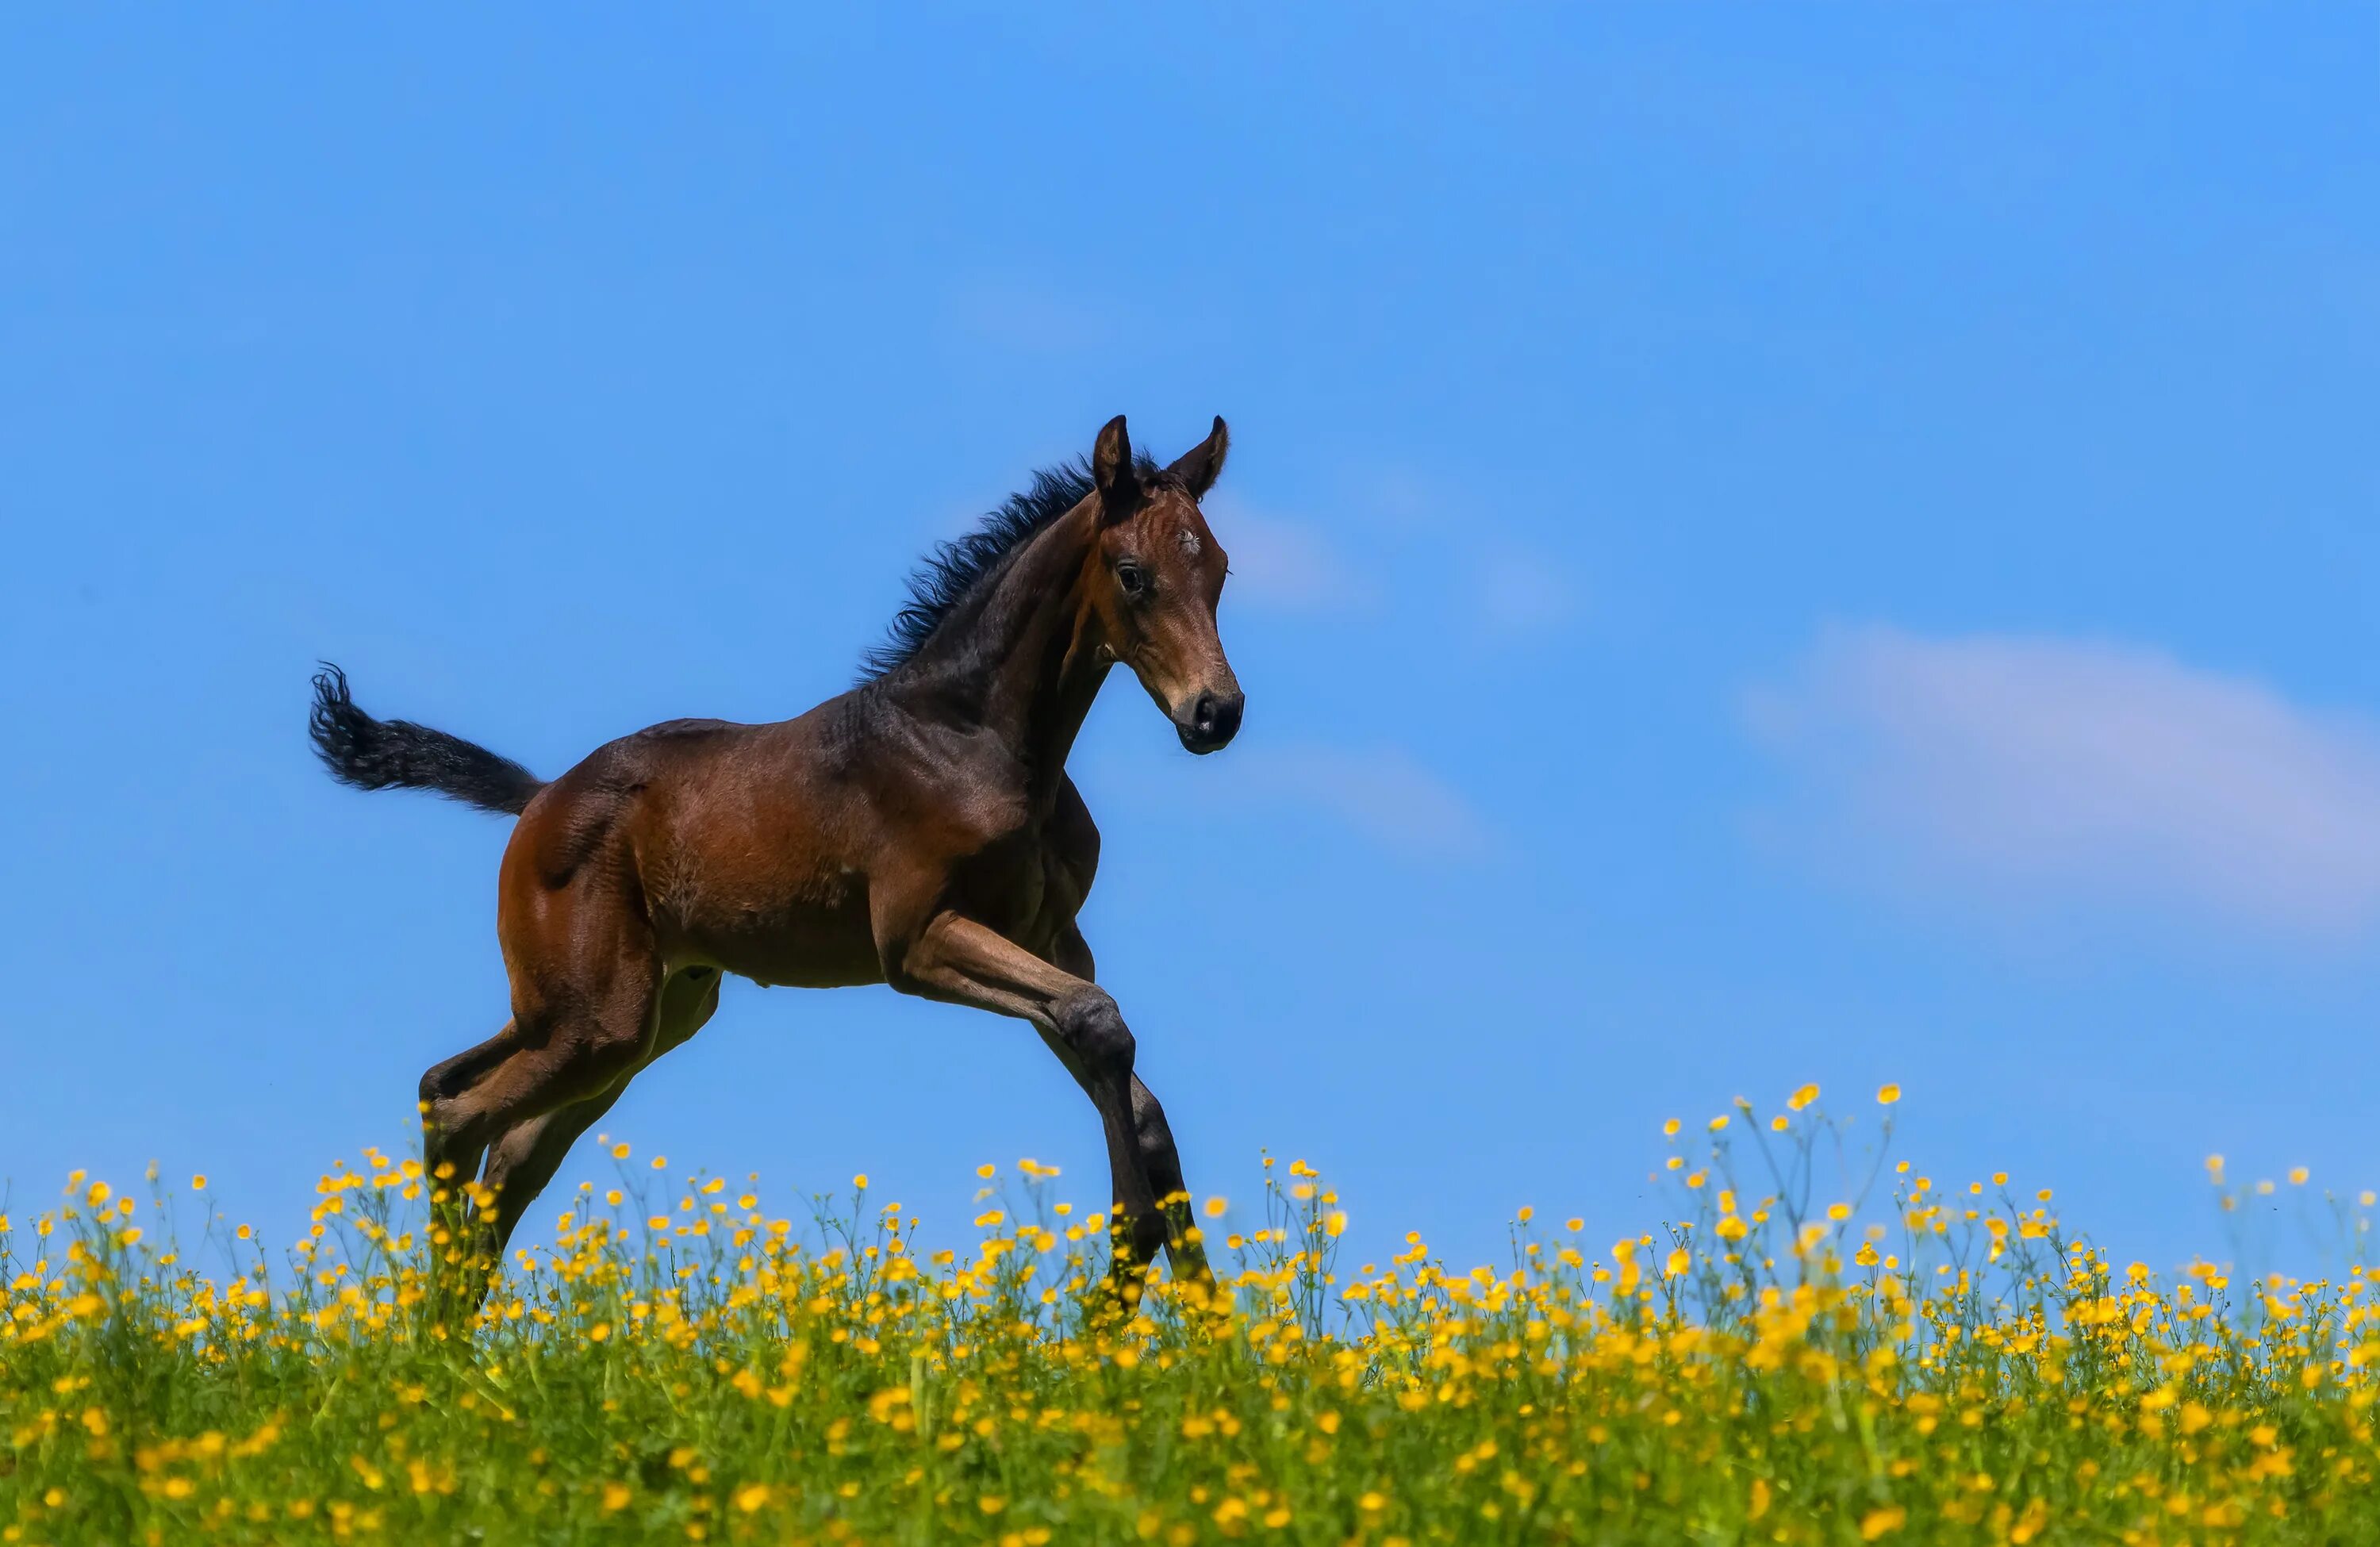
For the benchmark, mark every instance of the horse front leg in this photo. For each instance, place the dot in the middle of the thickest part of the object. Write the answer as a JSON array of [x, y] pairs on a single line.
[[961, 961], [1154, 1136], [1182, 1239]]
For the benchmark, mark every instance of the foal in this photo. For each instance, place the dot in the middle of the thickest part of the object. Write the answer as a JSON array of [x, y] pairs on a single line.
[[918, 831]]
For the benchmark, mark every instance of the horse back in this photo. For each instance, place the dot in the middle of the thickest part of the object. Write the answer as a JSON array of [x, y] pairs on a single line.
[[760, 849]]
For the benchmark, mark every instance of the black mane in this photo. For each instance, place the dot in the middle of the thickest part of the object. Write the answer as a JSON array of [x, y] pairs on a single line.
[[952, 571]]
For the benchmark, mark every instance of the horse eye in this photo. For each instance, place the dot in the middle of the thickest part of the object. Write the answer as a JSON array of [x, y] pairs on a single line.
[[1134, 579]]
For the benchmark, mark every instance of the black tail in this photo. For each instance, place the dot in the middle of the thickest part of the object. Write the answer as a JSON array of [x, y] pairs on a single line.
[[398, 754]]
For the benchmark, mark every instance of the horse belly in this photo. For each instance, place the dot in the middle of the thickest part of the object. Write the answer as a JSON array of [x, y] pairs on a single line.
[[795, 931], [799, 946]]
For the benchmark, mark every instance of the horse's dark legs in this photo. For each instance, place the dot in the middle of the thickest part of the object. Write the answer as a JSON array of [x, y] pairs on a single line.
[[450, 1158], [523, 1162], [446, 1080], [1163, 1163], [1159, 1157], [583, 1019], [525, 1159], [957, 959]]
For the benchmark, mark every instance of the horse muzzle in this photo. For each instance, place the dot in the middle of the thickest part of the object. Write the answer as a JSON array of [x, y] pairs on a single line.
[[1208, 722]]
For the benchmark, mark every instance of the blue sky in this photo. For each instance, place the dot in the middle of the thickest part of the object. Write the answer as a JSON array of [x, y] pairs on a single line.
[[1832, 544]]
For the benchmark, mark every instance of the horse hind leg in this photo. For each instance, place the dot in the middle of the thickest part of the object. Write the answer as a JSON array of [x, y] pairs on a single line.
[[580, 1026], [446, 1080], [525, 1159], [523, 1162]]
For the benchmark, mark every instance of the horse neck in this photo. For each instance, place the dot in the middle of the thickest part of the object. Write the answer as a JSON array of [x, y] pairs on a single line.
[[1041, 669]]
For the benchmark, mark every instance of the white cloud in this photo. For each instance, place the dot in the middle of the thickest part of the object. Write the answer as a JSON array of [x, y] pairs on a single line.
[[2057, 770], [1380, 792], [1287, 565], [1512, 589], [1520, 591], [1383, 793]]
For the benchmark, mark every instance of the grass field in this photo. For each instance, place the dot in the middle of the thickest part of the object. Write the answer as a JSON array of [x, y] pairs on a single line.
[[1824, 1347]]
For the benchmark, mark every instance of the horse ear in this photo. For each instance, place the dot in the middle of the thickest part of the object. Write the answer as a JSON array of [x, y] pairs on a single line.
[[1112, 470], [1203, 463]]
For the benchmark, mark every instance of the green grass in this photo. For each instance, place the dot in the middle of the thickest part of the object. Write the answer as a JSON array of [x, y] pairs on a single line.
[[1933, 1366]]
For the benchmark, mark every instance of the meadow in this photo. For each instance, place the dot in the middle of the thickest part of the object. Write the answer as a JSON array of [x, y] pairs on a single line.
[[1824, 1345]]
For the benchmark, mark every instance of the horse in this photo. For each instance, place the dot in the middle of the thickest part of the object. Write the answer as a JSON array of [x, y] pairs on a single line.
[[918, 831]]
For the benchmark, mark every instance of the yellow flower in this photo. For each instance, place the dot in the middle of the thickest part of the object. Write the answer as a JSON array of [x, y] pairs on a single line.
[[2297, 1176], [615, 1494], [619, 1151], [752, 1498], [1802, 1097], [1887, 1094], [1718, 1122], [1668, 1129], [1878, 1522], [199, 1182], [1215, 1207]]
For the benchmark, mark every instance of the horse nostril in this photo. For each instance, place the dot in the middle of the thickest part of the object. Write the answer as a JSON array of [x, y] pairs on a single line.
[[1215, 716], [1210, 720]]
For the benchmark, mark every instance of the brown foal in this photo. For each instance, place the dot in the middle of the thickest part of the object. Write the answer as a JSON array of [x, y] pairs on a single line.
[[918, 831]]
